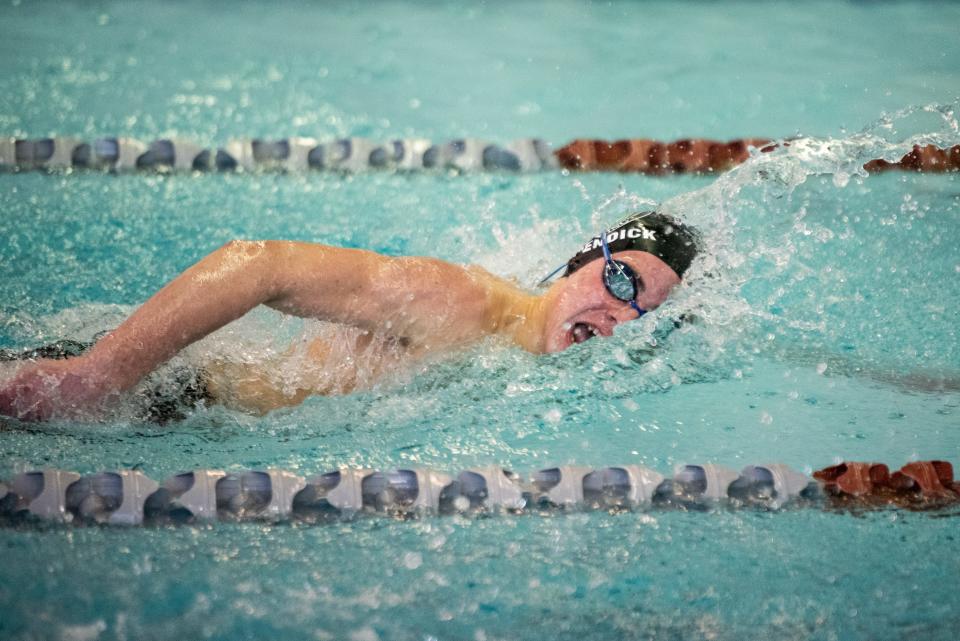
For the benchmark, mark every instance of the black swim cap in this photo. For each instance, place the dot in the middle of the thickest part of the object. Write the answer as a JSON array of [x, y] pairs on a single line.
[[659, 234]]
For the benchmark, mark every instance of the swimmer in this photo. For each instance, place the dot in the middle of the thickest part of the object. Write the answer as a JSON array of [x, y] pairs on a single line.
[[394, 310]]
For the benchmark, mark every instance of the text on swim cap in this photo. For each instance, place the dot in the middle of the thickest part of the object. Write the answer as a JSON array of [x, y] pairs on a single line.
[[632, 233]]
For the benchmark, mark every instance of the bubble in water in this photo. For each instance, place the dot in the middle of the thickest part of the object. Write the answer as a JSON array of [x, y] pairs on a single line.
[[553, 416], [364, 634]]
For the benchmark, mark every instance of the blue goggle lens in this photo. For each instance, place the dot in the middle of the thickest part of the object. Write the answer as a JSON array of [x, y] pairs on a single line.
[[621, 281]]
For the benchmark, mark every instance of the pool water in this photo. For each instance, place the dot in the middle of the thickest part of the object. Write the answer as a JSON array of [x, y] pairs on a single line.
[[826, 310]]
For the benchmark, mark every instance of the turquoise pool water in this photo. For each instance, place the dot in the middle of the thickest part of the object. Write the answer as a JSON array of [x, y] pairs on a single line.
[[827, 306]]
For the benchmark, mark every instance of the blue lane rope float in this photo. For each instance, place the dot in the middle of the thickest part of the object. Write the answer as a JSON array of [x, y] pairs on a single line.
[[130, 497]]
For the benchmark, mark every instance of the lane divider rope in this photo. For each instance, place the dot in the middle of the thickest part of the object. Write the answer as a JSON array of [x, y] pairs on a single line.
[[130, 497], [350, 155]]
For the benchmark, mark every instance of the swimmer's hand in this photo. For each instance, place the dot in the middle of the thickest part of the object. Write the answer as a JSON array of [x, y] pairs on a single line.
[[40, 388]]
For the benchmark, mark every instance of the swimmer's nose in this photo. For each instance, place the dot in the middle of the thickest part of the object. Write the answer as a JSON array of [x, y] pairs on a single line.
[[623, 314]]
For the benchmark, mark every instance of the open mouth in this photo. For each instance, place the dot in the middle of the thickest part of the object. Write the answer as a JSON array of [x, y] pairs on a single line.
[[583, 332]]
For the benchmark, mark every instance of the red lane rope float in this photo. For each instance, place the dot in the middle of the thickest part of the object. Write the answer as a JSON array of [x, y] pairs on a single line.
[[916, 484], [697, 156], [929, 158], [702, 156]]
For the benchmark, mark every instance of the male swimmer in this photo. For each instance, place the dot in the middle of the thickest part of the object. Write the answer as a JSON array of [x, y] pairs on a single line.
[[394, 309]]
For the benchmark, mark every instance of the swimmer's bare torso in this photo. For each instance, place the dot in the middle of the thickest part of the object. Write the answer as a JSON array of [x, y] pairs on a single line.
[[345, 359]]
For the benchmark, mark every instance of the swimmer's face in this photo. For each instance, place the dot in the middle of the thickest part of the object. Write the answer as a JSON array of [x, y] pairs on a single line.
[[583, 308]]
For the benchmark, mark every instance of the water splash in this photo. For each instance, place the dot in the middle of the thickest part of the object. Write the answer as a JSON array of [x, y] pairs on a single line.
[[788, 239]]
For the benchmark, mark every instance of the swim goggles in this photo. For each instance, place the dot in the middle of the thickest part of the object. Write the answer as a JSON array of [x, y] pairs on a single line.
[[620, 280]]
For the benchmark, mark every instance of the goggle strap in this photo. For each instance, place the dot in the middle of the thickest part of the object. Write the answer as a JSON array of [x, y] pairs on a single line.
[[551, 274], [606, 248]]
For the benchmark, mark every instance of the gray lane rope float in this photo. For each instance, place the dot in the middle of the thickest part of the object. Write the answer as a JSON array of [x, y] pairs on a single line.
[[130, 497]]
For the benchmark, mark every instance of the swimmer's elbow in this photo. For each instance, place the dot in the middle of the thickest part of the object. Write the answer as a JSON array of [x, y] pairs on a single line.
[[250, 262], [240, 247]]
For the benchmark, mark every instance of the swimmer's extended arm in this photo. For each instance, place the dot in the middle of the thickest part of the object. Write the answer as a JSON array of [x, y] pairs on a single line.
[[425, 302]]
